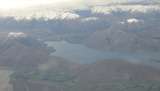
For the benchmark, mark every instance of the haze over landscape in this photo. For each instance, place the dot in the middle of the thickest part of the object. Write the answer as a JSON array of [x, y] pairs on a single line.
[[79, 45]]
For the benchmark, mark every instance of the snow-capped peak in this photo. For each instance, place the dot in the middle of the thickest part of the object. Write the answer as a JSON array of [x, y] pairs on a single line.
[[132, 20], [16, 34]]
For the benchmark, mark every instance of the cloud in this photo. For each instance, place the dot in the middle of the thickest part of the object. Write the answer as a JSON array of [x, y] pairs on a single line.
[[45, 14], [103, 2], [64, 9], [127, 8]]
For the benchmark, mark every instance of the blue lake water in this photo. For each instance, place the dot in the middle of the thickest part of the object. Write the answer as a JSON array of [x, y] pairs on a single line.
[[81, 53]]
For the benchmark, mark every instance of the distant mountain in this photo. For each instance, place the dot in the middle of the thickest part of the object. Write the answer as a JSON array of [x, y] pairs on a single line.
[[130, 34], [22, 52], [144, 1], [138, 1]]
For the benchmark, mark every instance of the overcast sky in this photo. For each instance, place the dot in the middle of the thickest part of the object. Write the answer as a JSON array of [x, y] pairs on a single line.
[[18, 4], [56, 8]]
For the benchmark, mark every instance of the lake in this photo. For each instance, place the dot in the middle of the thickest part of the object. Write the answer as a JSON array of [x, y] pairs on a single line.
[[83, 54]]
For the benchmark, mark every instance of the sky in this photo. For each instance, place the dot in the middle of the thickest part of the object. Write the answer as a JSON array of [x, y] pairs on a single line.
[[52, 8], [19, 4]]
